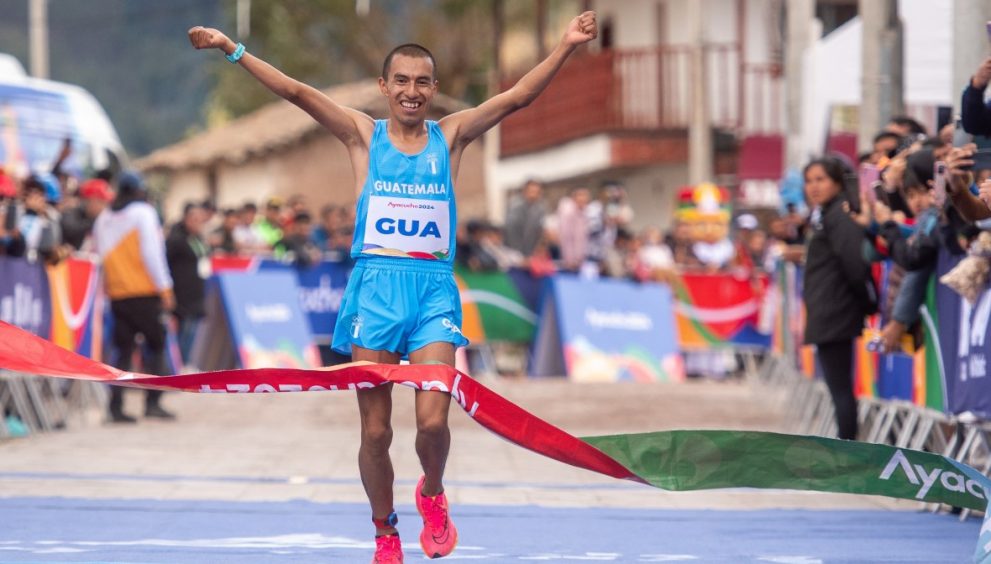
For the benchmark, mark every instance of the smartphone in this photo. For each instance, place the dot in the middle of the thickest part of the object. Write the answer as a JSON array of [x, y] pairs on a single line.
[[11, 217], [988, 27], [867, 178], [961, 137], [939, 184], [982, 159], [881, 193]]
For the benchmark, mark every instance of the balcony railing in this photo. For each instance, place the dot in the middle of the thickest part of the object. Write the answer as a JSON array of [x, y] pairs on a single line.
[[645, 90]]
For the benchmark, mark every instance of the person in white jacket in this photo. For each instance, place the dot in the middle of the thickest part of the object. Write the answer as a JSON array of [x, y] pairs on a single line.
[[128, 238]]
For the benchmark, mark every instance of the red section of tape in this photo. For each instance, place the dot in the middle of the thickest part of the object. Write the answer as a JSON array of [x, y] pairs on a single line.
[[21, 351]]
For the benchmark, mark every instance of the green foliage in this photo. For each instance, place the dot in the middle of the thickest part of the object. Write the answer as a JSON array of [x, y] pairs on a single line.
[[324, 42]]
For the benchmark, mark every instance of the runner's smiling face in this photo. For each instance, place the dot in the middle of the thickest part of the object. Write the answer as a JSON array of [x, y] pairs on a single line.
[[410, 88]]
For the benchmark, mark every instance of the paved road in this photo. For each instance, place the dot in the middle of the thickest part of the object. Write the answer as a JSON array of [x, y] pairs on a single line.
[[84, 530], [274, 479]]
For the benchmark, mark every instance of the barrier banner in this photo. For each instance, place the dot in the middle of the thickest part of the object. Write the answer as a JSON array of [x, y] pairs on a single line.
[[77, 306], [626, 332], [528, 286], [25, 299], [492, 308], [865, 367], [720, 310], [930, 390], [265, 320], [321, 289], [672, 460], [896, 376], [964, 346]]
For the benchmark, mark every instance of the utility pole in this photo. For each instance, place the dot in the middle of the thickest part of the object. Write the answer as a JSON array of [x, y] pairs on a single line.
[[362, 7], [699, 129], [243, 19], [495, 196], [881, 88], [541, 7], [38, 37], [495, 75], [970, 42], [798, 38]]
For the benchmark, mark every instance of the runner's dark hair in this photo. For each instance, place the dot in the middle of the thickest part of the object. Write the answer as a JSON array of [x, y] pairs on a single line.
[[409, 50]]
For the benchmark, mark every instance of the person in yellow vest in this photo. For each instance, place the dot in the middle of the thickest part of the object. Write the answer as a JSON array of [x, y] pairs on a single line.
[[128, 237]]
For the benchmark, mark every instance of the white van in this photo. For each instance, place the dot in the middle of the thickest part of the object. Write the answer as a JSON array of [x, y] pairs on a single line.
[[36, 116]]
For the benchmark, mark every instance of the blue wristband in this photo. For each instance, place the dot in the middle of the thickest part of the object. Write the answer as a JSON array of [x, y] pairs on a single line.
[[237, 54]]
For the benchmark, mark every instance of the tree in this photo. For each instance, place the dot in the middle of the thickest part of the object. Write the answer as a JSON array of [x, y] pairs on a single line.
[[324, 42]]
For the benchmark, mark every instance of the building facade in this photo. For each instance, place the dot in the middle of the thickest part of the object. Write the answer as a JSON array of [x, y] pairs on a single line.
[[621, 110]]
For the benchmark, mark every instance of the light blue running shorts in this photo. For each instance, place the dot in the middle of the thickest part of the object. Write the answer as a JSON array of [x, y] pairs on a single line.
[[399, 305]]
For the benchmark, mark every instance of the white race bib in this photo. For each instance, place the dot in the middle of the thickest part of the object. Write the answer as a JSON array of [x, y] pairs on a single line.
[[408, 225]]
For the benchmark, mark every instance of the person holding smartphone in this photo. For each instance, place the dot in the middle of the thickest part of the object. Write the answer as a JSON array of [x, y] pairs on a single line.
[[915, 251], [971, 202]]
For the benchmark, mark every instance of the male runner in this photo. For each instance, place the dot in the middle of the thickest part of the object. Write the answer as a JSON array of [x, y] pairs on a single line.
[[401, 299]]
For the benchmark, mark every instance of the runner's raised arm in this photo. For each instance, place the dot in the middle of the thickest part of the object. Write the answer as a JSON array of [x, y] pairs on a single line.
[[465, 126], [350, 126]]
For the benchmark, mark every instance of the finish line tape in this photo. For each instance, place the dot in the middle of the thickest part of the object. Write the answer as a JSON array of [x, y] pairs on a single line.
[[670, 460]]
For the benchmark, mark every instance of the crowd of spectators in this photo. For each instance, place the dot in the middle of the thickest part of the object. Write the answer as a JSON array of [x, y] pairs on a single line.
[[594, 234], [928, 193], [909, 200], [45, 217]]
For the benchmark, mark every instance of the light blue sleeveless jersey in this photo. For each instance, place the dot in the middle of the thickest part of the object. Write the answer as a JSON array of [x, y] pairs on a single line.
[[406, 208], [393, 301]]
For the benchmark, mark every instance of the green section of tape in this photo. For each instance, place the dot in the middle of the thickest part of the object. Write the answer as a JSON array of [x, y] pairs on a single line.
[[698, 460]]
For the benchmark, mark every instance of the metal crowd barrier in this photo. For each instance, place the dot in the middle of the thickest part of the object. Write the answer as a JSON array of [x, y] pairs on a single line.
[[45, 404]]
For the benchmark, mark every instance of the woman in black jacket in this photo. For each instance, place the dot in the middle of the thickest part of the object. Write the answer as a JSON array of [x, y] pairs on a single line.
[[838, 290]]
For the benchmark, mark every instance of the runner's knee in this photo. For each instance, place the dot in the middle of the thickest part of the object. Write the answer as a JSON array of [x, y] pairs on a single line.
[[376, 436], [433, 425]]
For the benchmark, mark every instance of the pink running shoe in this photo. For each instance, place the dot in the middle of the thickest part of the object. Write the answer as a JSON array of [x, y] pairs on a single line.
[[439, 536], [388, 550]]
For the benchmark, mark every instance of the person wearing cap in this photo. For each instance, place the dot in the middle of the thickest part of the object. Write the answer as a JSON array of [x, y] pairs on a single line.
[[77, 222], [37, 232], [746, 222], [52, 188], [136, 278], [749, 242]]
